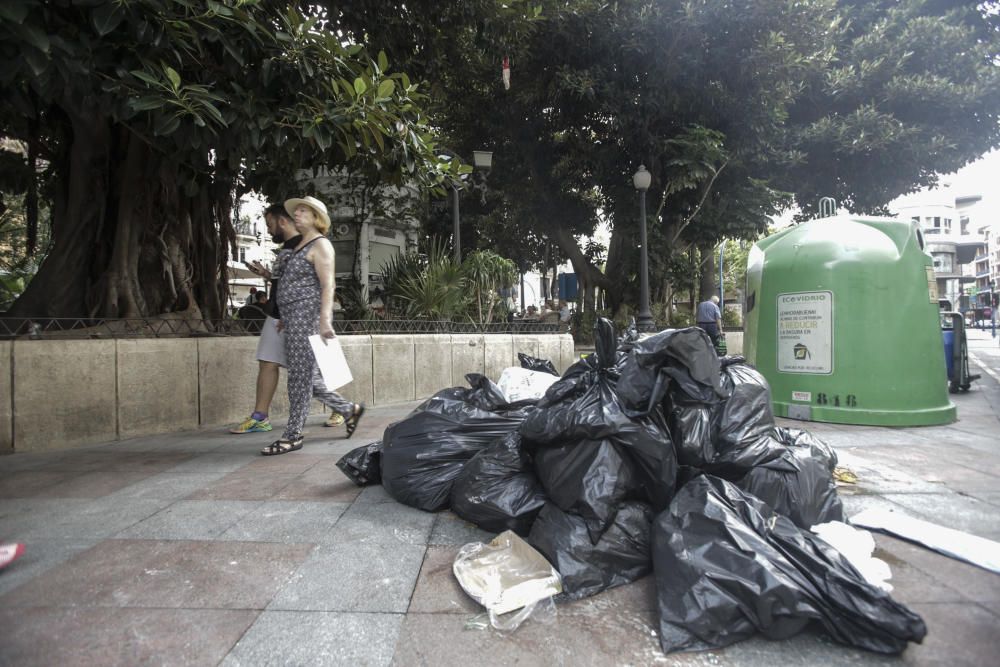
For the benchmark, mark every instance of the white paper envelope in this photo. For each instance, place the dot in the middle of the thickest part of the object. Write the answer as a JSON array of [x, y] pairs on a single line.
[[332, 364]]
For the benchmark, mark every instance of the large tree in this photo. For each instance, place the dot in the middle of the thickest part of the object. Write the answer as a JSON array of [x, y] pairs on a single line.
[[734, 108], [145, 120]]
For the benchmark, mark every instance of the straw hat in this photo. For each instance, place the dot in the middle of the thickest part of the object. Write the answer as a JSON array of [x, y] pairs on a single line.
[[323, 218]]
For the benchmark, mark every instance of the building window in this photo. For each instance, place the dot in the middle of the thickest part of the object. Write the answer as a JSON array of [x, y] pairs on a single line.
[[916, 219], [243, 254], [937, 222], [964, 225], [947, 224]]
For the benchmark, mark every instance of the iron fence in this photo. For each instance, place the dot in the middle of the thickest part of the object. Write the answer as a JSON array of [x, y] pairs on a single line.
[[49, 328]]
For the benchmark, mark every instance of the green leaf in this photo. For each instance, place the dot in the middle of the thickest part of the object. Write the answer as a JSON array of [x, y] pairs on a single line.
[[360, 86], [147, 77], [106, 18], [383, 61], [213, 112], [385, 89], [174, 77], [146, 103]]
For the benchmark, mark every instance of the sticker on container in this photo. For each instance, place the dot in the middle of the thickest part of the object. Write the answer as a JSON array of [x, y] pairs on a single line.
[[802, 396], [805, 333]]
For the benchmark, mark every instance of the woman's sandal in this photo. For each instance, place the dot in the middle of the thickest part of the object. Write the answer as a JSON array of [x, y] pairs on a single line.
[[354, 419], [282, 447]]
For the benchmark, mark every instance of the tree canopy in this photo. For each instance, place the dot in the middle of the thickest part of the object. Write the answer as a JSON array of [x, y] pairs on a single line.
[[140, 122], [144, 120], [738, 110]]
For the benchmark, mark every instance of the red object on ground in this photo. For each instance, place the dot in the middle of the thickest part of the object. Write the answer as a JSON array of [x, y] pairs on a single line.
[[9, 553]]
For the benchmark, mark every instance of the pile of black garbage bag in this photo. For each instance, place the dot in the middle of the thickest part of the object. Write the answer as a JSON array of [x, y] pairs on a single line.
[[650, 455]]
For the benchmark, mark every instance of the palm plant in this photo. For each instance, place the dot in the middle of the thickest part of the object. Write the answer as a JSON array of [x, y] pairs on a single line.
[[429, 287], [486, 274]]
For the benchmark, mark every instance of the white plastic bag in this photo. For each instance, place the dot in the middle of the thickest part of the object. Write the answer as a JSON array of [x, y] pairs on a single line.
[[857, 547], [519, 384], [507, 576]]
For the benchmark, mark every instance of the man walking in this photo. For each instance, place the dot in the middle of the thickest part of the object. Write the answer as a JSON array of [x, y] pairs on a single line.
[[709, 318], [271, 345]]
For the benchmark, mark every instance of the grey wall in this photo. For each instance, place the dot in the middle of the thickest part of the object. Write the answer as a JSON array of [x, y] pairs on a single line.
[[57, 394]]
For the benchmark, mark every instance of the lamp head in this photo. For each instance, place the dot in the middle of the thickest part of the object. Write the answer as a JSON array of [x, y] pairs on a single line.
[[642, 178]]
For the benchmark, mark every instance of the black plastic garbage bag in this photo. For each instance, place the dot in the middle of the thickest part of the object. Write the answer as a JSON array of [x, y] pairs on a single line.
[[535, 364], [363, 465], [482, 393], [743, 424], [691, 429], [424, 453], [684, 358], [497, 489], [728, 567], [746, 414], [794, 437], [583, 404], [621, 556], [800, 483], [589, 478]]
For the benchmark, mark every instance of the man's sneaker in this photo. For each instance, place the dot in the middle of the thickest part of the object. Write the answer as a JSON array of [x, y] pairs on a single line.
[[335, 419], [251, 425]]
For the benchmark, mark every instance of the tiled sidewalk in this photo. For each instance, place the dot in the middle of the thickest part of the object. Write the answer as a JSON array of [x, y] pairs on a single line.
[[192, 549]]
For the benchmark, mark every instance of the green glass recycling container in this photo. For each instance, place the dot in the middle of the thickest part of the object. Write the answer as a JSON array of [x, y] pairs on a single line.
[[842, 319]]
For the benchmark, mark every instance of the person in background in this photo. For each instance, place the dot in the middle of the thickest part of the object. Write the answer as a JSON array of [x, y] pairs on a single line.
[[709, 318], [251, 297]]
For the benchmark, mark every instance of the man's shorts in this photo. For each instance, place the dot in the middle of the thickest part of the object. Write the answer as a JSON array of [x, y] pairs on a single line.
[[271, 346]]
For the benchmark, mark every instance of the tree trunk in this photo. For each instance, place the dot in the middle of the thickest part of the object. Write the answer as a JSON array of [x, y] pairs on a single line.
[[60, 287], [126, 241], [707, 272]]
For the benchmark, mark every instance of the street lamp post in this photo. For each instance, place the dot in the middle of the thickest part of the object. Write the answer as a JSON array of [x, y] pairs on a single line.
[[483, 161], [644, 322]]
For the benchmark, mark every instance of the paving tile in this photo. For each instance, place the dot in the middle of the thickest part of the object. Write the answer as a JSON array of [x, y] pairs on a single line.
[[317, 638], [223, 460], [96, 484], [375, 493], [911, 584], [168, 485], [437, 591], [289, 521], [29, 483], [450, 529], [39, 556], [957, 634], [127, 637], [566, 639], [68, 519], [972, 582], [880, 478], [191, 520], [165, 574], [354, 576], [322, 482], [242, 485], [637, 597], [114, 457], [292, 463], [383, 523]]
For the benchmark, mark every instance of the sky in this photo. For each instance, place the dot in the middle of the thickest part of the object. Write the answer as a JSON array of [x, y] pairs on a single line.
[[981, 177]]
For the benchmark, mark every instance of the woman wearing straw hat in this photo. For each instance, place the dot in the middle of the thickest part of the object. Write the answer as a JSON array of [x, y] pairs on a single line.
[[305, 300]]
